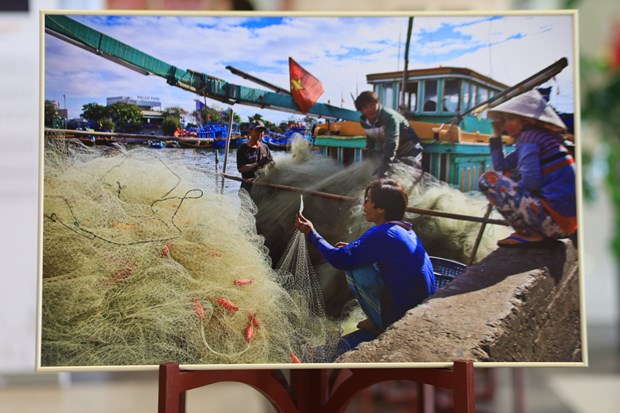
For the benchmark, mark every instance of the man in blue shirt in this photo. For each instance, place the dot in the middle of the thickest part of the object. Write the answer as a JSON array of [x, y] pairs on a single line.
[[403, 274]]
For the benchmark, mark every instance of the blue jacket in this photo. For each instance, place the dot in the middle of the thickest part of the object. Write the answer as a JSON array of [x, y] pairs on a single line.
[[404, 265]]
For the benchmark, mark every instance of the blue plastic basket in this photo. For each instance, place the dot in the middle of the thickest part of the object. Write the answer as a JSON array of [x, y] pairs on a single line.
[[445, 270]]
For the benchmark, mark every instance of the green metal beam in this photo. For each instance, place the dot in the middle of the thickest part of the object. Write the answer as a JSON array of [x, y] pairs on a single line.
[[199, 83]]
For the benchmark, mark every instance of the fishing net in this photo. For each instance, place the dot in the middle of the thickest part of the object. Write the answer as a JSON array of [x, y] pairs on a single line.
[[303, 168], [144, 263], [337, 219]]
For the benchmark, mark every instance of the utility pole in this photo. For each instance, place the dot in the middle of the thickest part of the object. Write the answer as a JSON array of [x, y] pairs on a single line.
[[66, 114]]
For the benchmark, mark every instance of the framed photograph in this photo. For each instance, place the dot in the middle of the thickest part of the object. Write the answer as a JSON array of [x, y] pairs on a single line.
[[280, 190]]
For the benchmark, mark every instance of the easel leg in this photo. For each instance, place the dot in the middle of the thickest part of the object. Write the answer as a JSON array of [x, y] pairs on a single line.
[[518, 378], [171, 400], [463, 390], [309, 389], [426, 398]]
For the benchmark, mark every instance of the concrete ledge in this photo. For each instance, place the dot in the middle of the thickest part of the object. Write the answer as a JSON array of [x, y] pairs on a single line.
[[517, 305]]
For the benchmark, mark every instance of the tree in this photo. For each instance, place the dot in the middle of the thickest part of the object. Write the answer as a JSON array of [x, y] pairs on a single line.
[[126, 116], [256, 116], [200, 115], [268, 124], [174, 111], [213, 115], [273, 127], [94, 112], [107, 125], [170, 124], [225, 116], [52, 115]]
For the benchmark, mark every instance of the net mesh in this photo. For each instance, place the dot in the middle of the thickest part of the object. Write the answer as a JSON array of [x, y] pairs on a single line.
[[145, 262], [338, 221], [143, 265]]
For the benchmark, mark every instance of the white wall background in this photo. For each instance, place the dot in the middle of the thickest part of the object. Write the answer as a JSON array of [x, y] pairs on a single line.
[[19, 85], [19, 144]]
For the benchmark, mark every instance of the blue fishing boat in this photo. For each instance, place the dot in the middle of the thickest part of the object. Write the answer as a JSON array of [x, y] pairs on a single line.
[[218, 133], [156, 143], [282, 141]]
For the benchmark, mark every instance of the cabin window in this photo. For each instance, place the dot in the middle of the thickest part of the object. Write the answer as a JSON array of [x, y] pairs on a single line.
[[411, 97], [474, 95], [387, 98], [483, 94], [451, 95], [430, 96], [467, 95]]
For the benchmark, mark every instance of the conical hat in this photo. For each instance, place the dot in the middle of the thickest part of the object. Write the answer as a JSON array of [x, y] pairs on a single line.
[[530, 104]]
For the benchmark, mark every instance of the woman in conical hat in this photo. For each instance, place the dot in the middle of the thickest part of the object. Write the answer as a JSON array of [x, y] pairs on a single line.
[[534, 186]]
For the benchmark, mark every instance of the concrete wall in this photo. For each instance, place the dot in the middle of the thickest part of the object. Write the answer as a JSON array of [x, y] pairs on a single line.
[[517, 305]]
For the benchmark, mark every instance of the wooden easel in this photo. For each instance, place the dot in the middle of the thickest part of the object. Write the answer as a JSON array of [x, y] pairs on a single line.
[[318, 390]]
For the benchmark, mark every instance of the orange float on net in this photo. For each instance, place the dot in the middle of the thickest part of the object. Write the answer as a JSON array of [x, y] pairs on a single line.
[[227, 304], [197, 306], [249, 333], [253, 320], [294, 358]]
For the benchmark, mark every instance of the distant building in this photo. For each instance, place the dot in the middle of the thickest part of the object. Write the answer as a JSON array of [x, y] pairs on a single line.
[[143, 102], [151, 108]]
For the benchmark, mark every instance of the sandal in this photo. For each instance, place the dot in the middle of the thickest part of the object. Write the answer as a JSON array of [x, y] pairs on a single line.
[[521, 240]]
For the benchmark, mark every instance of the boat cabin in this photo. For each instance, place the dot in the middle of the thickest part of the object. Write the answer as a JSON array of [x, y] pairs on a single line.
[[457, 154], [437, 95]]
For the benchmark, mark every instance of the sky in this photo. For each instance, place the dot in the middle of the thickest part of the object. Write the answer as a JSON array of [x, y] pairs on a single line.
[[338, 50]]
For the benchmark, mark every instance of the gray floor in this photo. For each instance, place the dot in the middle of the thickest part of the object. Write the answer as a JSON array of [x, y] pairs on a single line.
[[545, 390]]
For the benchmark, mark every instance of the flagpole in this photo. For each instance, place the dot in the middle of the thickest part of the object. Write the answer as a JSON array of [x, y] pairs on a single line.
[[404, 84]]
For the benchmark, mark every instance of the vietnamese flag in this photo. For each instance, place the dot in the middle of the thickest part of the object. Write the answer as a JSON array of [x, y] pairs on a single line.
[[305, 88]]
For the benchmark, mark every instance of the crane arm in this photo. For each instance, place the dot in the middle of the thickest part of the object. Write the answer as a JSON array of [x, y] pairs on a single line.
[[199, 83]]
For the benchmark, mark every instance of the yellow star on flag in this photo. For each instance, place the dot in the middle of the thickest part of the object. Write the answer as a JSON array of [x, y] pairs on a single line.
[[296, 84]]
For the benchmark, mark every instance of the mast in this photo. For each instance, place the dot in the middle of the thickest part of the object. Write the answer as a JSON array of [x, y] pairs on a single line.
[[403, 88]]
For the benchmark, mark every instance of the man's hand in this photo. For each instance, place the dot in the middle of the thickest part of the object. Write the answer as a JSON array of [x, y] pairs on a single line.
[[368, 326], [263, 161], [303, 224]]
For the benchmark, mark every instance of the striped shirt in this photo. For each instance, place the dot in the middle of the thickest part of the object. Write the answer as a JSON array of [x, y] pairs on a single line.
[[542, 165]]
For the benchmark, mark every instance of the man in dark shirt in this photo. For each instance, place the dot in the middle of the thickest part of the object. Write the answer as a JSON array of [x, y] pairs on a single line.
[[388, 134], [253, 155]]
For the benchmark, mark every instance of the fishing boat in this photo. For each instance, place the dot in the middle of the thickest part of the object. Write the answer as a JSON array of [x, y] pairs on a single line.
[[218, 133], [282, 141], [446, 106], [196, 143], [181, 132], [156, 143]]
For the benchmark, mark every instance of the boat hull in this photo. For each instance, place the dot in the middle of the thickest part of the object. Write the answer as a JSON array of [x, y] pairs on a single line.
[[196, 143]]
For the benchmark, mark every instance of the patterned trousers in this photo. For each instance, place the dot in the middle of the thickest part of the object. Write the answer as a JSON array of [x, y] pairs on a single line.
[[523, 211]]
